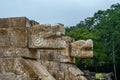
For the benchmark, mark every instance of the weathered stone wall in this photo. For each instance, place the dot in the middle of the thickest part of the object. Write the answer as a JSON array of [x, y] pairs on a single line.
[[32, 51]]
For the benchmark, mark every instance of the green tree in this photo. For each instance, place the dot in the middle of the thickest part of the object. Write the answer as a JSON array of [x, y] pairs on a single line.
[[104, 29]]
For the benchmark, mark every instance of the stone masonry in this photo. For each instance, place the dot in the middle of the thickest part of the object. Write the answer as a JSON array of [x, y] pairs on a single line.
[[33, 51]]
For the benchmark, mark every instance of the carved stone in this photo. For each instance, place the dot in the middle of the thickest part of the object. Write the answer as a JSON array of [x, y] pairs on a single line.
[[82, 49], [33, 51]]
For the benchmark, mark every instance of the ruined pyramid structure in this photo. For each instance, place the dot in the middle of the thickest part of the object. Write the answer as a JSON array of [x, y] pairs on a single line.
[[33, 51]]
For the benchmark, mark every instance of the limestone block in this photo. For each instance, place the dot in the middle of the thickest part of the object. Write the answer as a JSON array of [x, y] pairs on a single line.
[[61, 75], [45, 63], [63, 71], [39, 42], [68, 39], [71, 72], [21, 68], [47, 31], [57, 53], [82, 49], [32, 69], [82, 78], [4, 23], [45, 54], [13, 52], [54, 55], [4, 38], [65, 59], [14, 22], [46, 36], [67, 76], [14, 37], [21, 77], [8, 76], [66, 51], [31, 54], [19, 52], [18, 37], [52, 67], [59, 29], [33, 23], [7, 64]]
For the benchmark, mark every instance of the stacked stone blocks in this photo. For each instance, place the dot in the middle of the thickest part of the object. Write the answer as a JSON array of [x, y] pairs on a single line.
[[33, 51]]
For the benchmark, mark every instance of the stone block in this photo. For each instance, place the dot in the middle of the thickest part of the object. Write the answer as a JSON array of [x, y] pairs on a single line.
[[61, 75], [19, 52], [4, 38], [53, 66], [31, 54], [68, 39], [45, 64], [7, 64], [33, 23], [66, 51], [46, 54], [39, 42], [54, 55], [16, 37], [8, 76], [71, 72], [59, 29], [47, 31], [63, 71], [21, 67], [32, 69], [46, 36], [82, 49], [13, 22], [66, 60], [13, 52], [4, 22]]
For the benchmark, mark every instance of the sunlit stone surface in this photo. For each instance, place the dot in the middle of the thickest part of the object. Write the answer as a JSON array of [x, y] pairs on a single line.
[[33, 51]]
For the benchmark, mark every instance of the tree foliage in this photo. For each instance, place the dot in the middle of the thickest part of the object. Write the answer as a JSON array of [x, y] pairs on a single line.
[[104, 29]]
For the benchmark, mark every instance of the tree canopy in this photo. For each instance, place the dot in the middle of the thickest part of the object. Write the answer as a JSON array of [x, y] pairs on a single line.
[[104, 29]]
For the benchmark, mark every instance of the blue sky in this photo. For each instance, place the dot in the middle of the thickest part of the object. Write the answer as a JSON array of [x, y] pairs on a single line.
[[68, 12]]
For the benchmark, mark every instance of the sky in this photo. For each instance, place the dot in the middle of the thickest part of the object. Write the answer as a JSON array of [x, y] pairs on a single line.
[[68, 12]]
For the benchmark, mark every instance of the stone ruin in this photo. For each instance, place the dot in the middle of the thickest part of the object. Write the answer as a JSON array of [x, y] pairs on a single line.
[[33, 51]]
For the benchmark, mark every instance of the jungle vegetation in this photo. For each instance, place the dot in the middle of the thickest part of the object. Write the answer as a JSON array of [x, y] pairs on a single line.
[[104, 29]]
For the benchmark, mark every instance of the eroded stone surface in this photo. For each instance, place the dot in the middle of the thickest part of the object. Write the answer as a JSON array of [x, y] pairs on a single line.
[[63, 71], [15, 37], [46, 36], [18, 22], [39, 42], [82, 48], [33, 51], [32, 69]]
